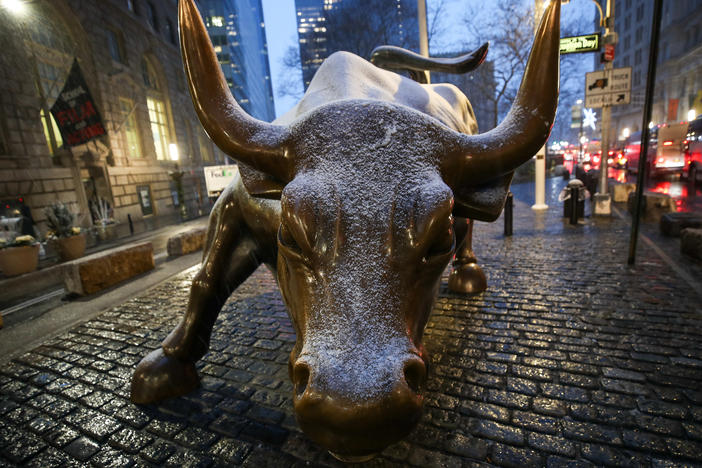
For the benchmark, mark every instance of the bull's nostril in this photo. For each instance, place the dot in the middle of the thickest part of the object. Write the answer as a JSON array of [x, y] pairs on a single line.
[[301, 375], [415, 373]]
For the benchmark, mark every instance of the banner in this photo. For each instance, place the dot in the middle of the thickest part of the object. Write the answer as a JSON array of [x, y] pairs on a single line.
[[75, 112]]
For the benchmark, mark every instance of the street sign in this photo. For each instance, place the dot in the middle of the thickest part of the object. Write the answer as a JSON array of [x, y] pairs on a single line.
[[608, 55], [580, 44], [608, 87]]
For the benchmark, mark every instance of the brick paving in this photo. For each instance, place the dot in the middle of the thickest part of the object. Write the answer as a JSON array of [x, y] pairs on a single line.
[[571, 358]]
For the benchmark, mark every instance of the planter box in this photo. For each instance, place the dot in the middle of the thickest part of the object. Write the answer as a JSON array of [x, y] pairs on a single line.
[[19, 260], [101, 270], [186, 242]]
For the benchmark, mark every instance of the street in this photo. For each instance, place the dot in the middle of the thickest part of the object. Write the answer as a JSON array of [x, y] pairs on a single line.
[[569, 357]]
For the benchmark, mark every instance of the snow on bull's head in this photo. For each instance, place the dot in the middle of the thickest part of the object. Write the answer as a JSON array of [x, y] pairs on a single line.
[[366, 230]]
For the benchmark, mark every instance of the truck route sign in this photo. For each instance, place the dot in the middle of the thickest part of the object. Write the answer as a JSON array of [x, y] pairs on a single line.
[[608, 87]]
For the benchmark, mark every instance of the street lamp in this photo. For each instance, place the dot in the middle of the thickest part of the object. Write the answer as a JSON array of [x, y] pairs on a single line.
[[691, 114], [16, 7], [173, 152], [625, 133]]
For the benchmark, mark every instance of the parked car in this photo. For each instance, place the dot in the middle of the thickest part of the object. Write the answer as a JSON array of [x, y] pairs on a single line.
[[692, 146], [665, 152]]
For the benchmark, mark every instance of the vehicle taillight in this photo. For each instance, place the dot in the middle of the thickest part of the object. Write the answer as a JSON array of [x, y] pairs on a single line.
[[611, 152], [668, 143], [596, 158], [660, 161]]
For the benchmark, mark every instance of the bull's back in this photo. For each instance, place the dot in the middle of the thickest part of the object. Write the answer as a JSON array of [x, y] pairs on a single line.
[[344, 75]]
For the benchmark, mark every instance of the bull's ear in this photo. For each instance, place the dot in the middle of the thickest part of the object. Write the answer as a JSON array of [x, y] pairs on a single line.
[[260, 185]]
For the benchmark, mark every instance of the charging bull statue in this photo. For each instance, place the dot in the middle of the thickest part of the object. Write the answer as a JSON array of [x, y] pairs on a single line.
[[350, 199]]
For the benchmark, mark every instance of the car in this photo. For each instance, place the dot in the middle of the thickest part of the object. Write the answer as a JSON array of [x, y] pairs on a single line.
[[665, 151], [692, 147]]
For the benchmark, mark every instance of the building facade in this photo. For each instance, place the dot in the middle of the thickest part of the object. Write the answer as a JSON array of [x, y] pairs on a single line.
[[678, 89], [238, 34], [149, 163], [327, 26]]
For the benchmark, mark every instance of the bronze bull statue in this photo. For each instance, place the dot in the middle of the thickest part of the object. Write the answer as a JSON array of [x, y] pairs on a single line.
[[350, 200]]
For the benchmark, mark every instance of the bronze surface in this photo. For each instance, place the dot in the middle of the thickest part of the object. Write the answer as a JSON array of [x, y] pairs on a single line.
[[360, 233]]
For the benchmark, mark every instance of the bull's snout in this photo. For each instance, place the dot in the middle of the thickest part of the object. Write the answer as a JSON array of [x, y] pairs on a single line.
[[359, 418]]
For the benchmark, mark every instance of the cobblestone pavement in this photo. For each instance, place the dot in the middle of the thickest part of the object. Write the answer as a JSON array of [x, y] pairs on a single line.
[[569, 359]]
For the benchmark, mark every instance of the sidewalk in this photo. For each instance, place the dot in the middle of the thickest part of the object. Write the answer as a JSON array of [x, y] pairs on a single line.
[[571, 358]]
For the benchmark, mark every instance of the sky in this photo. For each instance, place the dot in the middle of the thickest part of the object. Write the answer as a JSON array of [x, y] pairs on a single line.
[[281, 32]]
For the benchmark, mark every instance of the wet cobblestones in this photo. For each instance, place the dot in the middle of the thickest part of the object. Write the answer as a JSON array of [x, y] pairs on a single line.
[[569, 359]]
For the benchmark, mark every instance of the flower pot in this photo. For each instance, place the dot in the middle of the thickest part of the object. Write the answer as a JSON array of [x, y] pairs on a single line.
[[19, 260], [106, 232], [70, 248]]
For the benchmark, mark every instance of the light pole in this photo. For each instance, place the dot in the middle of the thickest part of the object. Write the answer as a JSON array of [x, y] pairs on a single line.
[[602, 200], [540, 163]]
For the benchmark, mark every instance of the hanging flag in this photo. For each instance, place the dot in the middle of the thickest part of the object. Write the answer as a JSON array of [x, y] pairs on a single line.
[[75, 111]]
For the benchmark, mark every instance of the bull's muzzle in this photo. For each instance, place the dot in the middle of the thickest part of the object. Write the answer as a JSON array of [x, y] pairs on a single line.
[[354, 428]]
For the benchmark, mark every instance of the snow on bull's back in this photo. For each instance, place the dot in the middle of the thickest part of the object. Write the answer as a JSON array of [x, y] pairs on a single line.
[[346, 76]]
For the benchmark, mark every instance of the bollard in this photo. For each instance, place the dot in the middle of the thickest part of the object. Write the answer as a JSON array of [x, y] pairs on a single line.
[[573, 200], [509, 205], [131, 225]]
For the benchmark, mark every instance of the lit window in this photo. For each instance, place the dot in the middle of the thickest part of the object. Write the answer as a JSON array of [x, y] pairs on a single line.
[[57, 134], [159, 127], [130, 132], [217, 21], [205, 147]]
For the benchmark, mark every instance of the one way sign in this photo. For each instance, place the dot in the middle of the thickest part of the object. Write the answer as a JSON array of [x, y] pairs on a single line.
[[608, 87]]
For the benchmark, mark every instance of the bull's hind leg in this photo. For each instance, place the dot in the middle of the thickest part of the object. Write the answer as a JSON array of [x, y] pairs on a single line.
[[229, 259], [466, 275]]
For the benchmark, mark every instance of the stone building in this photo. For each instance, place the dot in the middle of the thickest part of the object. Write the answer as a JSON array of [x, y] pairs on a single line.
[[129, 56], [678, 89]]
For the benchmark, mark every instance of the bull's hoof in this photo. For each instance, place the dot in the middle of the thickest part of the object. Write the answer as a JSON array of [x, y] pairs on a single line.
[[159, 376], [467, 278]]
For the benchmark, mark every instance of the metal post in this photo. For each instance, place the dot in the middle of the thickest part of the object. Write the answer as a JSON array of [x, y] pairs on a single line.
[[540, 162], [573, 200], [602, 200], [509, 212], [645, 134], [131, 225]]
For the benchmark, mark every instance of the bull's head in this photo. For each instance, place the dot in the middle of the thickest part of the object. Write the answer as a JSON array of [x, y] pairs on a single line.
[[366, 230]]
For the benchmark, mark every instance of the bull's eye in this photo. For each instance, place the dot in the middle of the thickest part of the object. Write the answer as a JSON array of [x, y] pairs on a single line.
[[287, 241], [442, 246]]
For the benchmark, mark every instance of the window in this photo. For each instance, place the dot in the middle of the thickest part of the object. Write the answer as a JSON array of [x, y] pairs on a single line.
[[216, 21], [159, 127], [130, 5], [114, 44], [151, 16], [45, 123], [637, 57], [205, 147], [130, 131], [156, 105], [170, 32]]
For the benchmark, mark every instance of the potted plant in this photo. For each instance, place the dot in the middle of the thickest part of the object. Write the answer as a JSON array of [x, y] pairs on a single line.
[[18, 254], [102, 216], [64, 237]]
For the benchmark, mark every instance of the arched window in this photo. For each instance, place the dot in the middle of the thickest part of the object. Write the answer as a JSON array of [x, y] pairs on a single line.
[[156, 104]]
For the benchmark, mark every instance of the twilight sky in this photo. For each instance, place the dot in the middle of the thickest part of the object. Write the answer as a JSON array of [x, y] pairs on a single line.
[[281, 31]]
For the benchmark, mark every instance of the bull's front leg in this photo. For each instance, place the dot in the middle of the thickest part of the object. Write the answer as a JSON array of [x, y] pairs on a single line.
[[229, 258], [466, 275]]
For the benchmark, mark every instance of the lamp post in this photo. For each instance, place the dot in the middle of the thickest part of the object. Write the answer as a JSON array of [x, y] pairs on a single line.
[[540, 163], [602, 200]]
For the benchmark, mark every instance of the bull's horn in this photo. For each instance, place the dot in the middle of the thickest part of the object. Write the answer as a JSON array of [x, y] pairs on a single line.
[[479, 158], [258, 144]]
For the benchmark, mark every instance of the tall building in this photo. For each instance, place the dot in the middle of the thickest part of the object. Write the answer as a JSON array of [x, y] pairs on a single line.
[[327, 26], [678, 89], [238, 34], [147, 162]]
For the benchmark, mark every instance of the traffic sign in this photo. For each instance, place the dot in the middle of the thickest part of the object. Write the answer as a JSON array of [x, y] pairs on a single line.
[[608, 55], [578, 44], [610, 87]]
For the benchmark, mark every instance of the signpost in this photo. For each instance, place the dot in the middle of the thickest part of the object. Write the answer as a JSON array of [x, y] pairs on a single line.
[[580, 44], [608, 87], [218, 177]]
